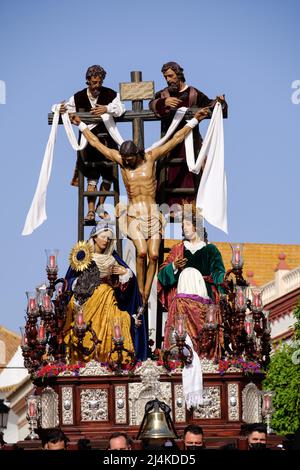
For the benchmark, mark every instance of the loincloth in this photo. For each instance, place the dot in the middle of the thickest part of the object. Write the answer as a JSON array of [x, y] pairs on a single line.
[[150, 226]]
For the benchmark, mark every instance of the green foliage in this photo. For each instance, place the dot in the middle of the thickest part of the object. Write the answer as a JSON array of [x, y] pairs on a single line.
[[297, 325], [283, 377]]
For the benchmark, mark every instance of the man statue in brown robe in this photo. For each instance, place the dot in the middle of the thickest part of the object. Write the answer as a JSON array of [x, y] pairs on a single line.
[[164, 105]]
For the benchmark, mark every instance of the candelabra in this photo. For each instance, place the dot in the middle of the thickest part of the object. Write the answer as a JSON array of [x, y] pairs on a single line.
[[119, 349], [267, 408], [79, 331], [236, 320], [180, 350], [207, 337], [44, 331], [32, 416]]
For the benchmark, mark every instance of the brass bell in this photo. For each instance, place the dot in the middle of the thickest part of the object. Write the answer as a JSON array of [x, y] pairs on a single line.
[[156, 427]]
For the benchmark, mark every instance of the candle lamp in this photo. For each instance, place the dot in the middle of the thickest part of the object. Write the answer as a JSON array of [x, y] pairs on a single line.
[[237, 255], [52, 268], [180, 327], [41, 337], [47, 303], [249, 327], [32, 306], [117, 330], [40, 292], [211, 317], [256, 304], [81, 328], [267, 405], [267, 408], [33, 406], [208, 334], [180, 349], [118, 350], [24, 339], [241, 298], [79, 319], [52, 254]]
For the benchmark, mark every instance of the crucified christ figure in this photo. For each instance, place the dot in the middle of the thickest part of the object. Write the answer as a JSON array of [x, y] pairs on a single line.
[[144, 221]]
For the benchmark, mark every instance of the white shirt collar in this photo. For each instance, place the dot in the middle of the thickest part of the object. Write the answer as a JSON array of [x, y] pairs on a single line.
[[193, 247], [91, 97], [184, 88]]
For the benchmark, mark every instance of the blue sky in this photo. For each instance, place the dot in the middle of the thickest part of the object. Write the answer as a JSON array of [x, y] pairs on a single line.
[[248, 50]]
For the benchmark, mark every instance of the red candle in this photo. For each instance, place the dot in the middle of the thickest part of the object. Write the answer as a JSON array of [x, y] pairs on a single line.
[[257, 302], [267, 403], [240, 298], [32, 305], [52, 262], [47, 302], [31, 409], [80, 318], [24, 340], [248, 327], [180, 326], [237, 256], [41, 331], [117, 332]]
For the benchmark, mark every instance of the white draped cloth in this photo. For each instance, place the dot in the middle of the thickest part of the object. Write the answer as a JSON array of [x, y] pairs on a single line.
[[212, 193], [179, 115], [37, 212], [191, 282], [192, 380]]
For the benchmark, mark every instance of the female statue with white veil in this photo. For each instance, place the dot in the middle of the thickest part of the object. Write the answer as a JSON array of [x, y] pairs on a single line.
[[105, 288]]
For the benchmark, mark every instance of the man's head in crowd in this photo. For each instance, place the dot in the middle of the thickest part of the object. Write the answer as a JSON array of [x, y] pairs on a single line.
[[119, 441], [54, 439], [257, 436], [193, 437]]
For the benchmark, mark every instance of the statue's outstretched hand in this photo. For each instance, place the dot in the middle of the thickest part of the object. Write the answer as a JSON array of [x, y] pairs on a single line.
[[75, 119], [202, 114], [63, 107], [221, 98]]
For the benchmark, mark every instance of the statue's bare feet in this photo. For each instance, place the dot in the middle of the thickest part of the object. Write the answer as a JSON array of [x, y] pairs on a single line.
[[90, 218]]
